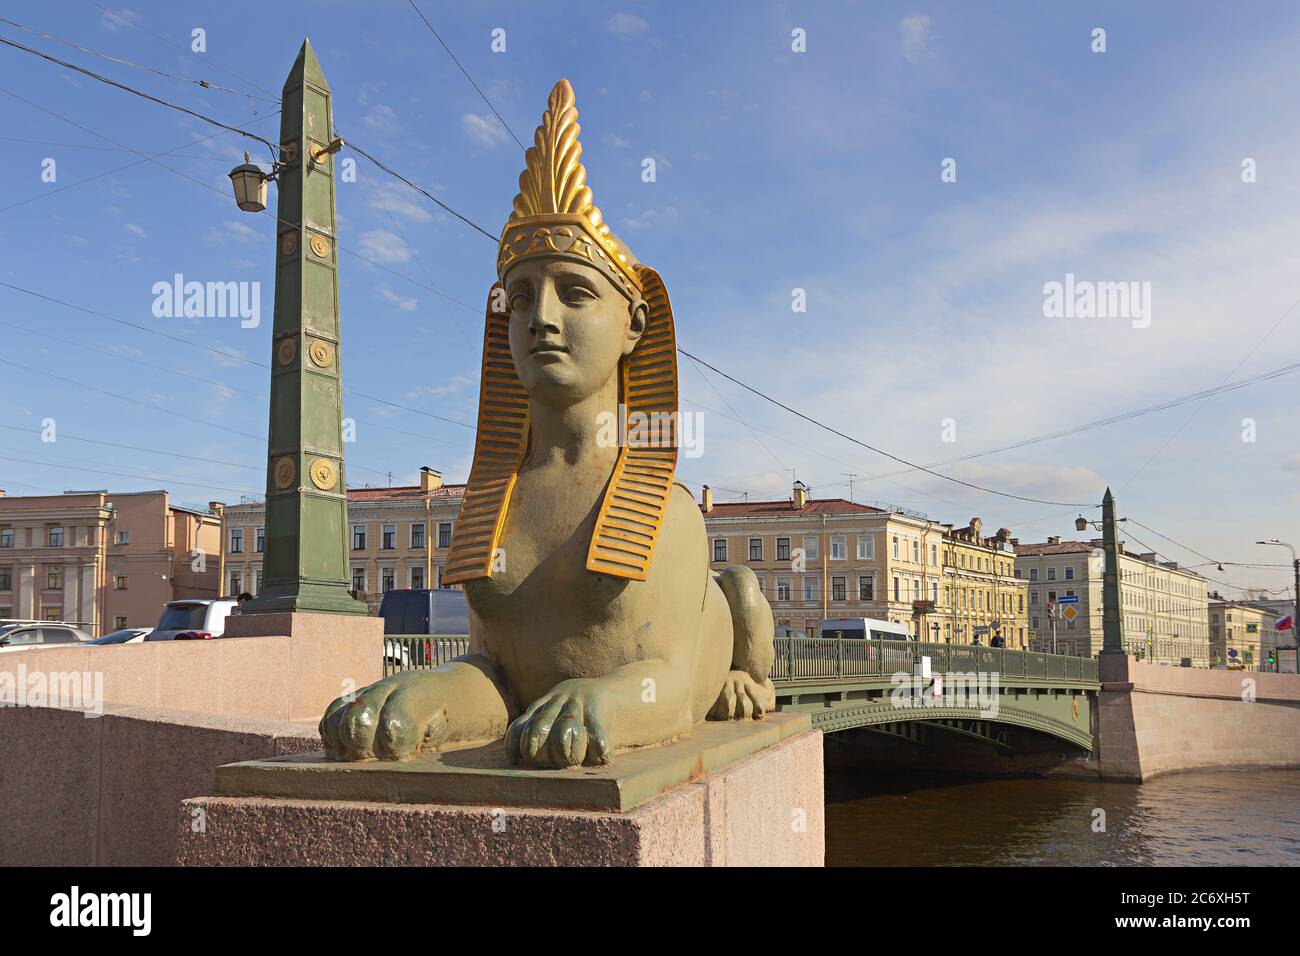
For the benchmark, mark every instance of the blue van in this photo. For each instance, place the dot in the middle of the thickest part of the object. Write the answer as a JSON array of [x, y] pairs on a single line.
[[440, 611]]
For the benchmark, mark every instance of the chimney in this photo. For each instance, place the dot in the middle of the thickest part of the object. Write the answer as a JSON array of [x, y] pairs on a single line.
[[216, 507], [430, 480], [706, 499], [1015, 542], [1056, 539], [2, 492], [800, 496]]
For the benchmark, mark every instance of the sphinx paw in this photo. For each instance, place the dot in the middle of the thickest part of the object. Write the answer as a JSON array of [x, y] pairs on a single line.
[[563, 728], [743, 698], [392, 719]]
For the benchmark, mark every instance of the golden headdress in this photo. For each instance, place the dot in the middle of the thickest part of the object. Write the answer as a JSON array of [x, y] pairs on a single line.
[[555, 215]]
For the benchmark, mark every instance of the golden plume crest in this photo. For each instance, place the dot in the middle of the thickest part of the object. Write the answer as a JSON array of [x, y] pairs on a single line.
[[554, 198], [555, 215]]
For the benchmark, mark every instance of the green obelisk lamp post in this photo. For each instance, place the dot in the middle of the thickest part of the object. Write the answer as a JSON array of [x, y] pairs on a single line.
[[305, 566], [1112, 634]]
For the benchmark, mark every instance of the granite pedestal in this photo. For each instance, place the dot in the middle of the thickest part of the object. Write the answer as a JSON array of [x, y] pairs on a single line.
[[736, 793]]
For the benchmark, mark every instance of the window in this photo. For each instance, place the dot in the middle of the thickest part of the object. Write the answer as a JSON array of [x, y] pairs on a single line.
[[53, 613], [259, 541], [444, 534], [866, 547], [811, 548], [934, 555], [1033, 574], [810, 587], [1051, 597], [756, 549], [934, 592], [916, 552], [1069, 574], [236, 540], [387, 580], [783, 587], [6, 537], [119, 582], [417, 537], [56, 537], [6, 580], [236, 583], [783, 549], [719, 549], [53, 579], [897, 590], [358, 537], [119, 622], [358, 579], [417, 577], [839, 549], [838, 589], [121, 537], [389, 539], [895, 547], [866, 588]]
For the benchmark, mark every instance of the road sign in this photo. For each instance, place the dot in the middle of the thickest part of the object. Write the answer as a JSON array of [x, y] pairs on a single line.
[[981, 630], [1068, 599], [1070, 612]]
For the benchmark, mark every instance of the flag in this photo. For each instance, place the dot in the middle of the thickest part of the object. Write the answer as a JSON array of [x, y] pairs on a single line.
[[1284, 623]]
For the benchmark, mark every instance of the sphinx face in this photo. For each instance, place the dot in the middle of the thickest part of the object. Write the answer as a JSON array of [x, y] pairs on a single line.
[[569, 327]]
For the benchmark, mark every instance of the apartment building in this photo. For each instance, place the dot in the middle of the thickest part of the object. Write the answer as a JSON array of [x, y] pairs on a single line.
[[1239, 633], [830, 558], [107, 560], [398, 538], [1164, 607]]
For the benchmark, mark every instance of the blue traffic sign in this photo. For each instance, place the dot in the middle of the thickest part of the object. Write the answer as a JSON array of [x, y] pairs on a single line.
[[1068, 599]]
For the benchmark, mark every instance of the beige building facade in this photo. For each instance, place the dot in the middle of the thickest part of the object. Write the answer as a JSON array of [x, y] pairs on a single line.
[[818, 559], [1239, 634], [1164, 607], [104, 560], [397, 538]]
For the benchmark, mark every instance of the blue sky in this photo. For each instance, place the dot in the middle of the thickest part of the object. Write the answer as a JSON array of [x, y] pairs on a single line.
[[776, 170]]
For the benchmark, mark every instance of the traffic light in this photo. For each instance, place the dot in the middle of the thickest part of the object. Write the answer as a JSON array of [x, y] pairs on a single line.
[[1272, 658]]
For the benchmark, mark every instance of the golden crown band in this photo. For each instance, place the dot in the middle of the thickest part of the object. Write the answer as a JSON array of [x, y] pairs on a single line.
[[567, 236]]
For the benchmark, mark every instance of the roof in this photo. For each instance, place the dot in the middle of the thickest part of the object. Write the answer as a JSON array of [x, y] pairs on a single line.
[[1063, 547], [785, 509], [405, 491]]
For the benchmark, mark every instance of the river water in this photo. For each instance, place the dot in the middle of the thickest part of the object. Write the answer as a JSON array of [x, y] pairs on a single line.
[[1197, 818]]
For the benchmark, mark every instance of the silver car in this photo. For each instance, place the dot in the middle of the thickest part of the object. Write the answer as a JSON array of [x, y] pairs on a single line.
[[22, 637]]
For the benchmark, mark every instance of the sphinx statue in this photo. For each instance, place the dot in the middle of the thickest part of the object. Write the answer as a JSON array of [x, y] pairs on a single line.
[[596, 624]]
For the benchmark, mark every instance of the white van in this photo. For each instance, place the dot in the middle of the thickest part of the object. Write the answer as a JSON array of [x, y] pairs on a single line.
[[864, 628]]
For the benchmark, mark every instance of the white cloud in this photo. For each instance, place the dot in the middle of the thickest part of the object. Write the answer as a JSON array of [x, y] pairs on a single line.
[[392, 298], [652, 218], [626, 24], [232, 358], [231, 230], [381, 117], [915, 34], [398, 200], [484, 130], [118, 19], [384, 246], [614, 141], [438, 391], [136, 230]]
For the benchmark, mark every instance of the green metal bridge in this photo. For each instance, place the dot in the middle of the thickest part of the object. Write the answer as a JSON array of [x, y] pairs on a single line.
[[982, 691], [847, 683]]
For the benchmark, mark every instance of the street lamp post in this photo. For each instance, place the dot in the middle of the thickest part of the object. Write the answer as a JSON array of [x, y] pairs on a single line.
[[1295, 618]]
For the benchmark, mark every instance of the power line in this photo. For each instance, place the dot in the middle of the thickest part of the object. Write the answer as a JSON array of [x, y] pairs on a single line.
[[139, 66], [131, 89], [120, 474], [132, 22], [878, 451], [483, 95]]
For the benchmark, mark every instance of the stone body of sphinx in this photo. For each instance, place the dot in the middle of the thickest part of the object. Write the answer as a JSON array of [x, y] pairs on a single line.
[[596, 624]]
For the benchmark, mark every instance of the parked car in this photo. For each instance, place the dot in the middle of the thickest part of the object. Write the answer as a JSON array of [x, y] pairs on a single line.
[[128, 635], [21, 637], [197, 619]]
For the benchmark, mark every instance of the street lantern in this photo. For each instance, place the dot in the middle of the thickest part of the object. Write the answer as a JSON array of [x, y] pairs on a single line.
[[250, 186], [1081, 523]]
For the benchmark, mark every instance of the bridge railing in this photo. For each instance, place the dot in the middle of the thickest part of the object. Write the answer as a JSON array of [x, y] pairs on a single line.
[[406, 652], [800, 659]]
